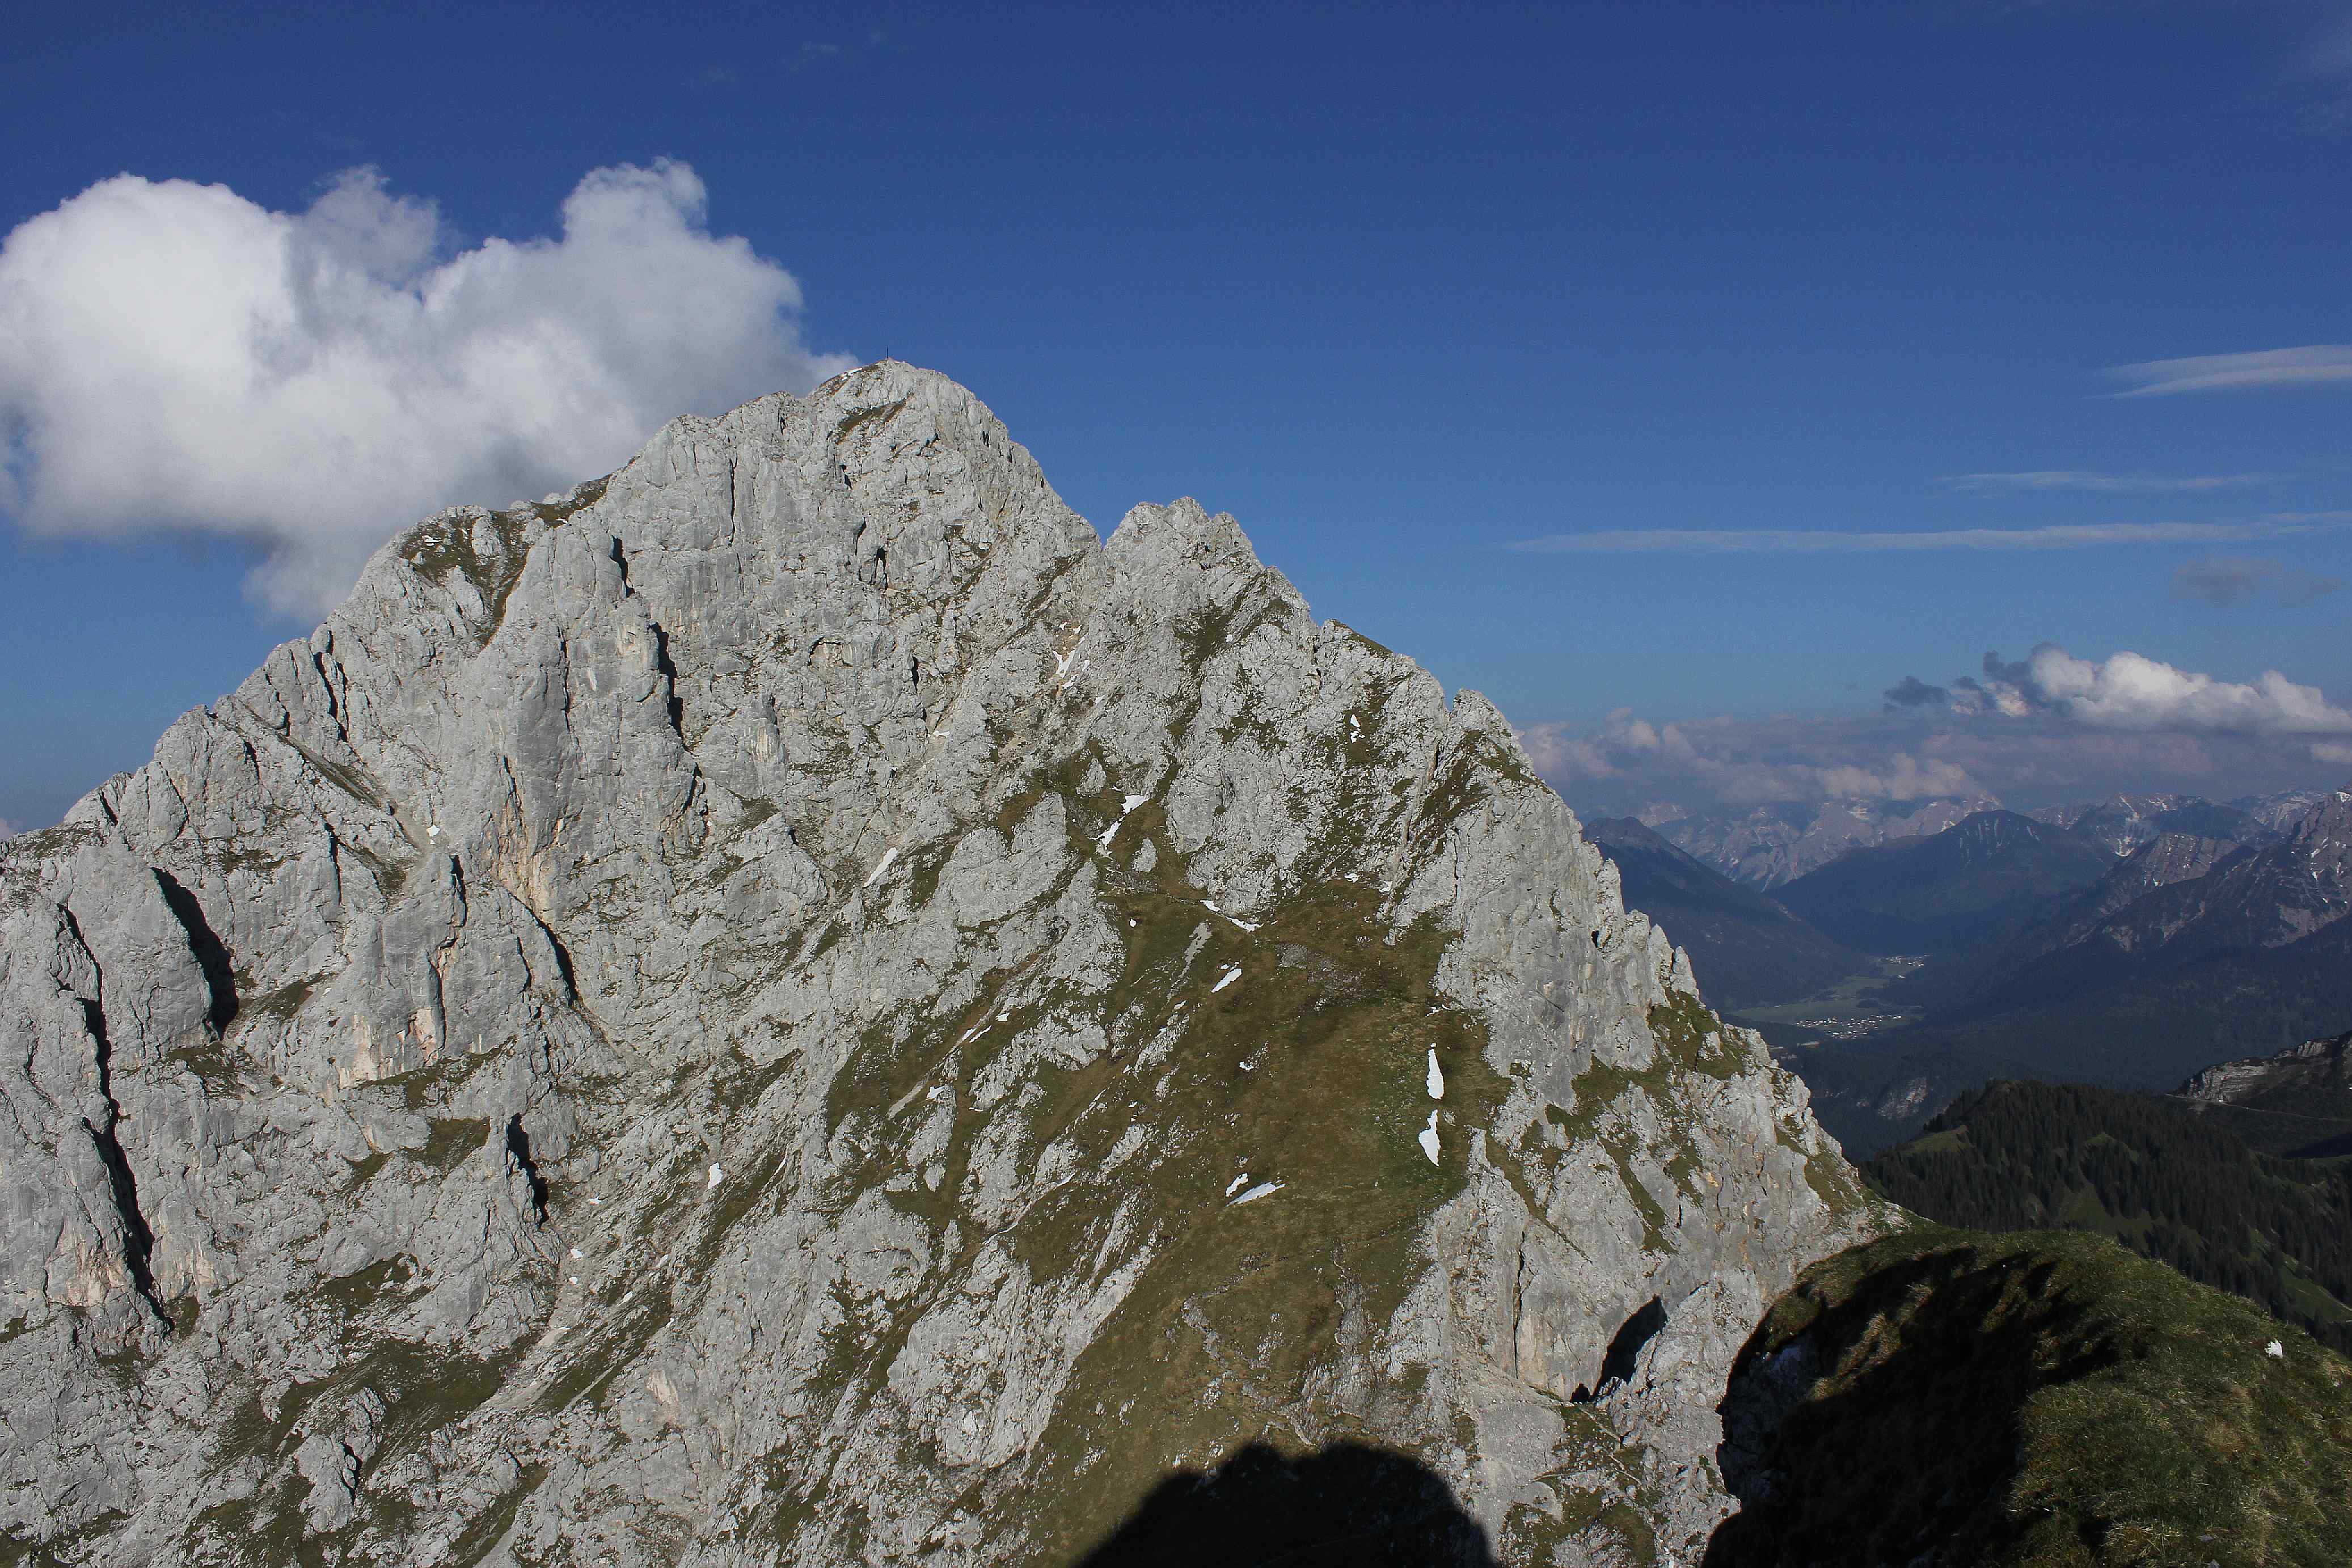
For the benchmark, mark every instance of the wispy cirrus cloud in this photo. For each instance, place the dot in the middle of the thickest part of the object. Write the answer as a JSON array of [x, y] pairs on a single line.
[[2325, 58], [2316, 364], [2097, 482], [2231, 579], [1829, 541]]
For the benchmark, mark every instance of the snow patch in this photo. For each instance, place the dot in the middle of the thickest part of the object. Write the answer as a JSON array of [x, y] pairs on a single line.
[[1227, 978], [1263, 1189], [1238, 1183], [717, 1176], [1428, 1139], [881, 865], [1127, 804], [1436, 1080]]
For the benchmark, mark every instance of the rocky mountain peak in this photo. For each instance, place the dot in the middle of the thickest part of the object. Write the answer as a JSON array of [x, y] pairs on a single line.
[[790, 1004], [2324, 1064], [2326, 826]]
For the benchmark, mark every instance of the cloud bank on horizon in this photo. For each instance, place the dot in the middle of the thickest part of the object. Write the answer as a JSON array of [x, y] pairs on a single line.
[[173, 355], [2049, 724], [2130, 691]]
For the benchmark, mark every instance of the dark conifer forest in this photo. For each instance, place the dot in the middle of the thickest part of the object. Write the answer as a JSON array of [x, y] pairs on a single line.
[[2020, 1156]]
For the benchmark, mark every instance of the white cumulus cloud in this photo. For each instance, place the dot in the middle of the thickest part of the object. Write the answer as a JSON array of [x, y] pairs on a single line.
[[174, 355], [2131, 691], [2128, 691]]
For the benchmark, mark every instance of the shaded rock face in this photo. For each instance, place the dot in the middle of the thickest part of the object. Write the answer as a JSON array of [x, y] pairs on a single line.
[[792, 1005]]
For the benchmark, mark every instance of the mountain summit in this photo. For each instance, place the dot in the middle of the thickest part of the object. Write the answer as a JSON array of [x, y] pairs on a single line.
[[791, 1005]]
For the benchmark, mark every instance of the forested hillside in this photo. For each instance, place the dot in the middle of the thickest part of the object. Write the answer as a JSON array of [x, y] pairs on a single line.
[[2028, 1156]]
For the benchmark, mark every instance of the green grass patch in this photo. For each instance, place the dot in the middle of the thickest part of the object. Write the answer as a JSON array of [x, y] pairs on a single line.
[[2045, 1397]]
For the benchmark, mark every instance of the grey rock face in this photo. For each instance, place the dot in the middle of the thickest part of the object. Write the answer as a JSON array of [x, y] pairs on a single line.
[[2316, 1069], [792, 1005]]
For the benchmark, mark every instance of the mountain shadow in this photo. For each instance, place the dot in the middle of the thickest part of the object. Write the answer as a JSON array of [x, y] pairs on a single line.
[[1348, 1504], [1945, 1398]]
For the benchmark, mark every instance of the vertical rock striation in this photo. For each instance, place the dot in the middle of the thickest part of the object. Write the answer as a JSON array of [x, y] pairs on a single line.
[[792, 1005]]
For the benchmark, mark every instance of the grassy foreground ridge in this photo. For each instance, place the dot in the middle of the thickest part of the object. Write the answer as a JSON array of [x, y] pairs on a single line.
[[1942, 1397]]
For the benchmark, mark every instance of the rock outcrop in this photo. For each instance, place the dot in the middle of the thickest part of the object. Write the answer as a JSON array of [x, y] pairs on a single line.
[[792, 1006]]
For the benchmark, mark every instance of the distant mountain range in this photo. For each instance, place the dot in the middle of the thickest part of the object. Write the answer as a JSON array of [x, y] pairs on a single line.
[[2128, 941], [1992, 875], [2186, 953], [1767, 845], [1772, 844], [1746, 948], [2122, 823]]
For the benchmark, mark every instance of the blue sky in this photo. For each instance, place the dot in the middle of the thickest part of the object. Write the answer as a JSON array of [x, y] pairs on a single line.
[[1402, 288]]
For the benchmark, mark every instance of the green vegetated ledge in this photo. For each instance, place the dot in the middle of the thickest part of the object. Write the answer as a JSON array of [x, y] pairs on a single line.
[[1948, 1397]]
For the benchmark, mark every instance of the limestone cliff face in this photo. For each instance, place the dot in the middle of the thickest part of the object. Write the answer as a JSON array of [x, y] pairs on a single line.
[[792, 1005]]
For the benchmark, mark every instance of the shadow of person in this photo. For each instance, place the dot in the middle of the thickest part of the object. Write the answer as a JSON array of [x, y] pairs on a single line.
[[1348, 1505]]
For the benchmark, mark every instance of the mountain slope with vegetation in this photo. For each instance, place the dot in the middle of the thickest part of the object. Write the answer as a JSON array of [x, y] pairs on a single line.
[[2297, 1102], [2169, 1185], [795, 1004], [1951, 1400]]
